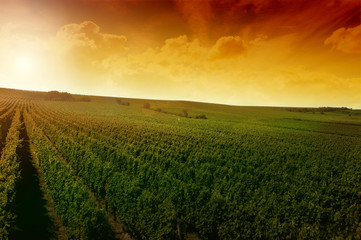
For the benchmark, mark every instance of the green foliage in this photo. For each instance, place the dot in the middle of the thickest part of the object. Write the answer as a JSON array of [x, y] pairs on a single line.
[[202, 116], [245, 173], [119, 101], [59, 96], [79, 213], [185, 112], [9, 173], [246, 177], [146, 105], [320, 109]]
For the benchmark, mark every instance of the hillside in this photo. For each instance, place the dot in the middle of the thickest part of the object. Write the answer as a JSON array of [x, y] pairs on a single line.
[[152, 169]]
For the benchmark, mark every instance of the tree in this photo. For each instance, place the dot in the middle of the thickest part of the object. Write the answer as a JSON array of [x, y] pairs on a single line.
[[146, 105], [59, 96], [185, 112], [202, 116], [119, 101]]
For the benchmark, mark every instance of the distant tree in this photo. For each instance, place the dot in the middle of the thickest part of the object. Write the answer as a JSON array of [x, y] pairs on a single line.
[[146, 105], [202, 116], [59, 96], [185, 112], [52, 95], [320, 109], [119, 101]]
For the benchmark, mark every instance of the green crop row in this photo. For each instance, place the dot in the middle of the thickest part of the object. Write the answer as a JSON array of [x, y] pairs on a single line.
[[9, 173], [255, 182], [78, 211]]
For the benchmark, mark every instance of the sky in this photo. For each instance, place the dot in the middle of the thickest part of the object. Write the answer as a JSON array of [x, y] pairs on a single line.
[[239, 52]]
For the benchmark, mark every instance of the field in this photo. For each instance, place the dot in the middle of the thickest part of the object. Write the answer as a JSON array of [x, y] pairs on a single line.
[[115, 168]]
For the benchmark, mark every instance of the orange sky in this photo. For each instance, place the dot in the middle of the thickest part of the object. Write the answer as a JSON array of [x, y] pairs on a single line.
[[245, 52]]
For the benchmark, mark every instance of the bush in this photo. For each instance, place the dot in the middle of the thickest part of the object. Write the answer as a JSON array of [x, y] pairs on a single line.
[[119, 101], [185, 112], [146, 105], [59, 96], [202, 116]]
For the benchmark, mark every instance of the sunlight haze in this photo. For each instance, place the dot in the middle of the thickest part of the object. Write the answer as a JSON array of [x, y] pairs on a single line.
[[285, 53]]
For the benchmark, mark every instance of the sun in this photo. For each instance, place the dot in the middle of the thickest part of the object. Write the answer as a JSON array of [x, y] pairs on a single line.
[[24, 64]]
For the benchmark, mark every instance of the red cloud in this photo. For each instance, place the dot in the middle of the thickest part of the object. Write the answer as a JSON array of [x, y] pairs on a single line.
[[346, 40], [212, 19]]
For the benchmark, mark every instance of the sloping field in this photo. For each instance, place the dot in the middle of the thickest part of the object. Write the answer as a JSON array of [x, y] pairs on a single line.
[[147, 169]]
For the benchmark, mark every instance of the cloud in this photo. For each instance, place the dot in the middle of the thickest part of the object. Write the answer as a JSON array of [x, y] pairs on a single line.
[[86, 47], [182, 50], [346, 40], [176, 58], [182, 58], [313, 88], [198, 15], [187, 69], [210, 19], [87, 35], [228, 47]]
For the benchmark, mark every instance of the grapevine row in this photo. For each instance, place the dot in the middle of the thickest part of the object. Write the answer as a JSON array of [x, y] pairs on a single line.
[[9, 176], [79, 213], [234, 193]]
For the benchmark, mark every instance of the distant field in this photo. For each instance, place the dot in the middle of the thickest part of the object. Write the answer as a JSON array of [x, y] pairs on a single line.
[[146, 169]]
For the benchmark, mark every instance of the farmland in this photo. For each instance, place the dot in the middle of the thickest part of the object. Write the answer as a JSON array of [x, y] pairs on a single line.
[[111, 168]]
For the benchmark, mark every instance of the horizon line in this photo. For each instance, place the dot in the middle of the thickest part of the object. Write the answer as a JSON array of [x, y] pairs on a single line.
[[180, 100]]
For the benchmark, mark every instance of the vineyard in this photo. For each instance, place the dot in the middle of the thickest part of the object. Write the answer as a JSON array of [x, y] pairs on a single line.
[[110, 168]]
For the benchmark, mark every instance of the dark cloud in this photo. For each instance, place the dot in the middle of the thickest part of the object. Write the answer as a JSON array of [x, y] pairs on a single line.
[[272, 17]]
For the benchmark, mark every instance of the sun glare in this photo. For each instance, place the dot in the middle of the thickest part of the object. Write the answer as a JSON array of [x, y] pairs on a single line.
[[24, 65]]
